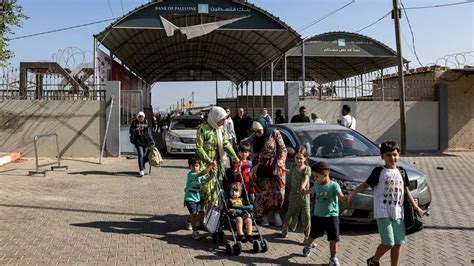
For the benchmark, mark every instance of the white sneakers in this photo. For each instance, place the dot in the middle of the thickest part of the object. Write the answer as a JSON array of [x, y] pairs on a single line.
[[334, 261], [142, 173]]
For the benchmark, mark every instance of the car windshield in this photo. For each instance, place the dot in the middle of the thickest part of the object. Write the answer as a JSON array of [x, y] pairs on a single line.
[[336, 143], [185, 124]]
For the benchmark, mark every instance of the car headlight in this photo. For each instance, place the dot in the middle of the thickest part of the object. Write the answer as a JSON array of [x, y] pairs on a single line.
[[422, 181], [173, 137], [347, 186]]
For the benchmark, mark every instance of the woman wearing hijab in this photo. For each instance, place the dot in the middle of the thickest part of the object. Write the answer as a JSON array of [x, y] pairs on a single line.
[[212, 144], [270, 156], [140, 136]]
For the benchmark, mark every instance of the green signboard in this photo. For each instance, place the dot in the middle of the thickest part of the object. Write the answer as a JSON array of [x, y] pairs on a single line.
[[343, 44], [149, 16]]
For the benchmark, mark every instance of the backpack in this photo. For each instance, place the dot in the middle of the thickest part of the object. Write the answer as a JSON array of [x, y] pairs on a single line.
[[413, 221], [154, 157]]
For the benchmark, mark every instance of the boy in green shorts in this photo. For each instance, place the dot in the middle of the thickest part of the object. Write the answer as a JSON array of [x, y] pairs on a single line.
[[389, 188]]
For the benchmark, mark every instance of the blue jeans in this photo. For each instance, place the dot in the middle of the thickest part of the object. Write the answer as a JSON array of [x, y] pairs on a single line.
[[142, 156]]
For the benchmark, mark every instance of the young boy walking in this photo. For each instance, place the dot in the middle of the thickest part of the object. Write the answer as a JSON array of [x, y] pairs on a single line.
[[390, 187], [245, 173], [326, 210], [192, 192]]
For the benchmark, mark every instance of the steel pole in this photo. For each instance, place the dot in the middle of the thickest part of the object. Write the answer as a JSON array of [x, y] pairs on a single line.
[[271, 89], [303, 68], [401, 81]]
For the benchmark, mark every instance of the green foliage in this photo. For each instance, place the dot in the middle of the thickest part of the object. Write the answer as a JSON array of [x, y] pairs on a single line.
[[11, 15]]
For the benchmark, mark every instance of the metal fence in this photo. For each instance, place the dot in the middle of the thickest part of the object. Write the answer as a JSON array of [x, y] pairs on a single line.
[[48, 86], [47, 95], [372, 87], [131, 102]]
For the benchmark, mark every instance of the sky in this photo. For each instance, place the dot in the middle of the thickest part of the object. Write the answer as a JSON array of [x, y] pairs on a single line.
[[437, 32]]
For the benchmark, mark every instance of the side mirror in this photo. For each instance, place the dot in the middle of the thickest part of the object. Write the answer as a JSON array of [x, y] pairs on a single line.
[[290, 152]]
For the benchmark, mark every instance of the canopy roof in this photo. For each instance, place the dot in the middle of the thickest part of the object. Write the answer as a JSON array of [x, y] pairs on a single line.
[[334, 56], [179, 40]]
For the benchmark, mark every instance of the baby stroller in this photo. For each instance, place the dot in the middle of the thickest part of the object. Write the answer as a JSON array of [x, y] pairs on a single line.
[[219, 218]]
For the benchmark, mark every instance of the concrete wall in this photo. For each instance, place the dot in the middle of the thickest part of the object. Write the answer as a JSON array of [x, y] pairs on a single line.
[[460, 104], [79, 125], [379, 120], [418, 86]]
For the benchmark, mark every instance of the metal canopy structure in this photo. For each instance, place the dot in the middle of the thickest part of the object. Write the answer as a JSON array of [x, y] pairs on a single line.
[[197, 40], [335, 56]]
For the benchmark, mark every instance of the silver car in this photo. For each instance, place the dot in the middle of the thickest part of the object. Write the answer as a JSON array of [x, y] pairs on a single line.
[[180, 135], [351, 157]]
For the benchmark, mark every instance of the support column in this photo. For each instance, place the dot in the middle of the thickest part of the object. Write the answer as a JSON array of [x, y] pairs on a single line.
[[247, 95], [271, 89], [253, 97], [261, 89]]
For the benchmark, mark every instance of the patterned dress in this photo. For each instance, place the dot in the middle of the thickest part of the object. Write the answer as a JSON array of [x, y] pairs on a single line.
[[207, 151], [270, 178]]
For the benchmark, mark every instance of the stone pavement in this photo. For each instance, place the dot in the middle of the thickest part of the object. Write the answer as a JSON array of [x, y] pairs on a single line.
[[105, 215]]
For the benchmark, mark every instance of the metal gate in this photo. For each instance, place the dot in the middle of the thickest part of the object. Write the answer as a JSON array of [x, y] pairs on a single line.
[[131, 102]]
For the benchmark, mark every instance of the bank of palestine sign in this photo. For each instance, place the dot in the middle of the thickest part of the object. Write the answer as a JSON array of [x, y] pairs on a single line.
[[154, 15]]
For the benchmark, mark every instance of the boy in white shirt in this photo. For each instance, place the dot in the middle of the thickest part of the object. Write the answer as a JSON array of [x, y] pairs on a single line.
[[389, 187]]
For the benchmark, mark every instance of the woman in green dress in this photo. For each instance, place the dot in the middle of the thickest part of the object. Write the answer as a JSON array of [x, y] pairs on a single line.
[[212, 144]]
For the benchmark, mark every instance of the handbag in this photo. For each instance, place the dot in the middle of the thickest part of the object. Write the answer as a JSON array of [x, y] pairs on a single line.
[[212, 219]]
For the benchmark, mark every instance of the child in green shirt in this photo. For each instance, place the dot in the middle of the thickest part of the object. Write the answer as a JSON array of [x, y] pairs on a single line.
[[326, 210], [192, 192]]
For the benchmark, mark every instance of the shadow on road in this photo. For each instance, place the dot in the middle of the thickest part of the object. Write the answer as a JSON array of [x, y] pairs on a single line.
[[125, 173], [165, 228]]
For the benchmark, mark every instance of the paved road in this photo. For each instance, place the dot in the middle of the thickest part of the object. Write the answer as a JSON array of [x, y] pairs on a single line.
[[104, 214]]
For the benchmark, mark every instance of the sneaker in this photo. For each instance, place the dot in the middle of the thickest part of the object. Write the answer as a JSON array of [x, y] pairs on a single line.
[[370, 262], [306, 251], [334, 262], [284, 232], [196, 235], [265, 221], [240, 238], [278, 221], [142, 173]]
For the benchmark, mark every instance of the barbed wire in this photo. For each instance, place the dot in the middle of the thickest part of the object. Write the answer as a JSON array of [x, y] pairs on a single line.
[[456, 60], [71, 57]]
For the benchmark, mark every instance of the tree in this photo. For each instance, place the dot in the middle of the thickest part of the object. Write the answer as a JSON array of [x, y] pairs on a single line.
[[11, 14]]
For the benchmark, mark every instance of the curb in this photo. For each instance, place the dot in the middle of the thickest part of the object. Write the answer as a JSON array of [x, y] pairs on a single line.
[[9, 157]]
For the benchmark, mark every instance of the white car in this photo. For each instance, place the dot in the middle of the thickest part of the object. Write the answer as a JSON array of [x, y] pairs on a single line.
[[180, 136]]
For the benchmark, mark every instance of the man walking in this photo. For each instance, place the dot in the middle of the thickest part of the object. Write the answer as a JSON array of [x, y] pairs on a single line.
[[242, 124], [347, 119], [264, 114], [301, 117]]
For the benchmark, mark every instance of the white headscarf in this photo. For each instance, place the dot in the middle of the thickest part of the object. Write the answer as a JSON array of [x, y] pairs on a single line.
[[215, 115]]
